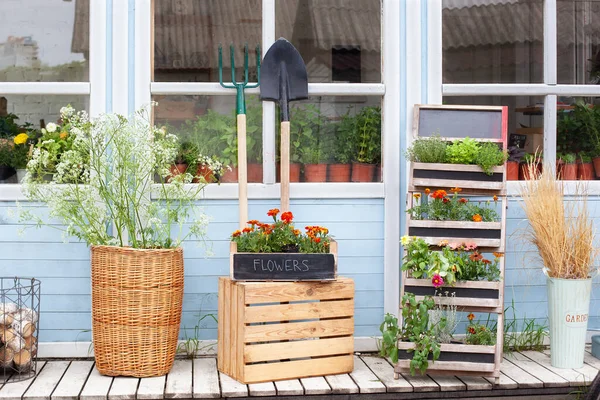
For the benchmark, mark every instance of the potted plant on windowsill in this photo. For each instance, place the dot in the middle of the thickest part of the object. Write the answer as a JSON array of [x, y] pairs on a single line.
[[137, 266], [367, 143], [585, 168], [515, 155], [563, 233], [569, 169], [7, 170]]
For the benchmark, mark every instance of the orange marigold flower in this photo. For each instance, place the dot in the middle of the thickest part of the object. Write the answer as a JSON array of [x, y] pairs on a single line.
[[476, 256], [253, 222], [287, 217], [477, 218], [317, 240], [471, 317], [324, 231], [498, 255], [443, 243], [247, 230], [439, 194], [495, 198], [427, 191], [463, 200], [486, 261], [296, 232], [417, 195], [446, 200], [472, 330], [456, 190], [63, 135], [236, 233], [273, 212]]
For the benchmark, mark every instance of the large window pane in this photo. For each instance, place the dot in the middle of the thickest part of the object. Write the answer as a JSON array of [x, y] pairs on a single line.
[[578, 60], [206, 126], [492, 41], [339, 40], [335, 139], [44, 41], [187, 34]]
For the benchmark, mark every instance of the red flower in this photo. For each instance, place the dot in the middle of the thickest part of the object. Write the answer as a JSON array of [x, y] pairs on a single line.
[[273, 212], [247, 230], [486, 261], [439, 194], [317, 240], [476, 256], [495, 198], [253, 222], [463, 200], [427, 191], [236, 233], [287, 217], [472, 330], [445, 200], [437, 281]]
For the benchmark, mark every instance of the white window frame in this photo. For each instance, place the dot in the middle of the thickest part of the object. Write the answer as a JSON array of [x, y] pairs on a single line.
[[269, 189], [550, 89], [95, 88]]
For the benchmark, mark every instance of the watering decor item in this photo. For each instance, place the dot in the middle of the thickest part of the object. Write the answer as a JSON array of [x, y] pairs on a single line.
[[562, 231], [136, 266]]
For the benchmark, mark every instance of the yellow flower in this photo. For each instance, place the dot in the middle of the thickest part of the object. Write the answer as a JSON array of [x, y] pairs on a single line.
[[417, 195], [63, 135], [21, 138], [405, 240]]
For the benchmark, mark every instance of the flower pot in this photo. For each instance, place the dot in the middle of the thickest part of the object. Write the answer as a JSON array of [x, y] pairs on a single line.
[[230, 176], [255, 172], [6, 172], [294, 172], [568, 308], [512, 171], [362, 172], [596, 161], [339, 172], [569, 172], [315, 172], [204, 175], [177, 169], [137, 296], [585, 171]]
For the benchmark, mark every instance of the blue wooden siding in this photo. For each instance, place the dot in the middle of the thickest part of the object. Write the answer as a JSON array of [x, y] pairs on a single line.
[[64, 268]]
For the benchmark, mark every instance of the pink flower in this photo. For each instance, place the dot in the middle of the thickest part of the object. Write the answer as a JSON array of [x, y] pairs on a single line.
[[454, 246], [470, 246], [437, 281]]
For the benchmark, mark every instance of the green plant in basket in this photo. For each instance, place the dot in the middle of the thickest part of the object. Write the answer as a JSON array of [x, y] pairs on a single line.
[[428, 150], [463, 151], [489, 156]]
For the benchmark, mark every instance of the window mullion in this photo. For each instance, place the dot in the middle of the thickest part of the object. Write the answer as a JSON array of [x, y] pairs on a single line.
[[550, 42], [269, 151]]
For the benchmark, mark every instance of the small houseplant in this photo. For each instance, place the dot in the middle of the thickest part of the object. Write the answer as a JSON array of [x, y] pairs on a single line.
[[340, 168], [6, 159], [569, 168], [137, 266], [515, 155], [585, 167], [367, 144], [563, 233], [21, 154]]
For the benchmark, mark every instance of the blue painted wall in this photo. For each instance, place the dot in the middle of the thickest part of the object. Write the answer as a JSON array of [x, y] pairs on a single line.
[[65, 273]]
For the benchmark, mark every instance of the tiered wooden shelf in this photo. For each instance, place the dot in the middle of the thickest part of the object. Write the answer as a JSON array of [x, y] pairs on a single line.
[[470, 296]]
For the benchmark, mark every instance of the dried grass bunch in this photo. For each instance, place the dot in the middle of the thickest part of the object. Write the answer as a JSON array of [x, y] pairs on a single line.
[[561, 230]]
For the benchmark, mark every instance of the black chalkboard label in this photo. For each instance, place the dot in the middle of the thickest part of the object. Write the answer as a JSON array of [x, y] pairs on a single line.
[[283, 267]]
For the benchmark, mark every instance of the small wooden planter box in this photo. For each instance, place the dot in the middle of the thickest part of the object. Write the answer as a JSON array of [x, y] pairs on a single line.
[[283, 266], [454, 358], [261, 340], [483, 234], [472, 294], [432, 175]]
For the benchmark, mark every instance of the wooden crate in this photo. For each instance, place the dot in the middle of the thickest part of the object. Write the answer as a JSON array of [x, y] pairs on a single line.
[[270, 331], [434, 175], [474, 295], [483, 234]]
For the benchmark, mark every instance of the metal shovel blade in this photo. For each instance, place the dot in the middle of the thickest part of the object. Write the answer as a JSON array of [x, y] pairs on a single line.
[[283, 76]]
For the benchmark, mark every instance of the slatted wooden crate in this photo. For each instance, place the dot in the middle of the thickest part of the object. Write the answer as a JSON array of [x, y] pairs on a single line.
[[476, 295], [433, 176], [483, 234], [272, 331]]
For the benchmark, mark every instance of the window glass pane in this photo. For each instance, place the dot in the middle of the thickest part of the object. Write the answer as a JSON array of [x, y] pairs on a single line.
[[187, 34], [339, 40], [207, 127], [578, 59], [44, 41], [487, 41], [335, 139]]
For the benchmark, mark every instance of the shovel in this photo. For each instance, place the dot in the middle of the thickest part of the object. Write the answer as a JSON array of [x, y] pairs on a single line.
[[283, 79]]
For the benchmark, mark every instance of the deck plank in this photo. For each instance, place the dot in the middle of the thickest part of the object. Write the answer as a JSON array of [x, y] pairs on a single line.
[[262, 389], [575, 377], [366, 380], [316, 385], [589, 359], [151, 388], [341, 384], [475, 383], [548, 378], [289, 387], [232, 388], [385, 373], [123, 388], [46, 381], [179, 380], [206, 379], [505, 382], [523, 378], [72, 382], [421, 383], [15, 390], [448, 383], [96, 387]]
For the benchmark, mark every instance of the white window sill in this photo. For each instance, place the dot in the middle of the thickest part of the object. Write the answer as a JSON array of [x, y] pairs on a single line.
[[229, 191]]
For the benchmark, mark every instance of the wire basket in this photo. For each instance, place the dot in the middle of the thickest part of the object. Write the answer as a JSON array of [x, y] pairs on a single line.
[[19, 326]]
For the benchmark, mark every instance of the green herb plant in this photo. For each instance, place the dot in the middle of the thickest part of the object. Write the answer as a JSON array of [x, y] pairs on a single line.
[[489, 156], [428, 150], [390, 333], [463, 151], [368, 135]]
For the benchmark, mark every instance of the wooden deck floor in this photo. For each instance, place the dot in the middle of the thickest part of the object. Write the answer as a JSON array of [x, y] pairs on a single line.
[[523, 374]]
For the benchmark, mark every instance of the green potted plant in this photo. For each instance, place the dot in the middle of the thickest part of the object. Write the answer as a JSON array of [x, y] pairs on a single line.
[[21, 154], [137, 274], [515, 155], [569, 169], [585, 168], [367, 143], [340, 168], [186, 159], [7, 171]]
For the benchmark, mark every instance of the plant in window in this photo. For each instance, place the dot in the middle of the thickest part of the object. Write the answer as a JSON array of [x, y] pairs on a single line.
[[368, 135], [428, 150], [21, 150]]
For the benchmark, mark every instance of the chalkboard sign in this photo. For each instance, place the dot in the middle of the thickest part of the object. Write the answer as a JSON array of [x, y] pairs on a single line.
[[283, 267]]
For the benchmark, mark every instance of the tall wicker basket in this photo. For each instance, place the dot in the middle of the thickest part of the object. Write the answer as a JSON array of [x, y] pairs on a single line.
[[137, 297]]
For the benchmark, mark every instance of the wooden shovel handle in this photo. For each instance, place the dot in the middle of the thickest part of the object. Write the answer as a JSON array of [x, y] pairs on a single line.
[[285, 166], [242, 169]]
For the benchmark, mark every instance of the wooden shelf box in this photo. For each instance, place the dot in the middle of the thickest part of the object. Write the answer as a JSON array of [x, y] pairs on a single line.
[[270, 331], [478, 295], [483, 234], [434, 176]]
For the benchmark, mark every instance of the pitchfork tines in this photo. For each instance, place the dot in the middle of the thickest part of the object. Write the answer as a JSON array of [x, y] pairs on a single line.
[[239, 86]]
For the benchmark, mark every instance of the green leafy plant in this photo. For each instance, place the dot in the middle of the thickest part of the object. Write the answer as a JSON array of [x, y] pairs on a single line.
[[480, 334], [6, 153], [187, 153], [390, 333], [529, 335], [569, 158], [9, 127], [368, 135], [584, 157], [489, 156], [344, 142], [428, 150], [463, 151]]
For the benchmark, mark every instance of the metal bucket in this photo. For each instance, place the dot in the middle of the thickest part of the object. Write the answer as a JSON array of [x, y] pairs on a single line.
[[568, 311]]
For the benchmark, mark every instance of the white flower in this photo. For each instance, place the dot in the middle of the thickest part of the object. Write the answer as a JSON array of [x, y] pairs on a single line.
[[67, 112], [51, 127]]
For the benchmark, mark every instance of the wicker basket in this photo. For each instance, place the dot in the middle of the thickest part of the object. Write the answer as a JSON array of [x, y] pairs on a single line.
[[137, 298]]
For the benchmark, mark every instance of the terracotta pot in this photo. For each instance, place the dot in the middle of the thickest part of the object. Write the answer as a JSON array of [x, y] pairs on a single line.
[[596, 161], [585, 171], [177, 169], [512, 170], [205, 173], [362, 172], [339, 172], [255, 172], [569, 172], [230, 176], [294, 172], [315, 172]]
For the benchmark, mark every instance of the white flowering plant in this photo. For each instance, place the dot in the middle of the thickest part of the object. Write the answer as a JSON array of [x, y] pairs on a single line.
[[123, 157], [214, 164]]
